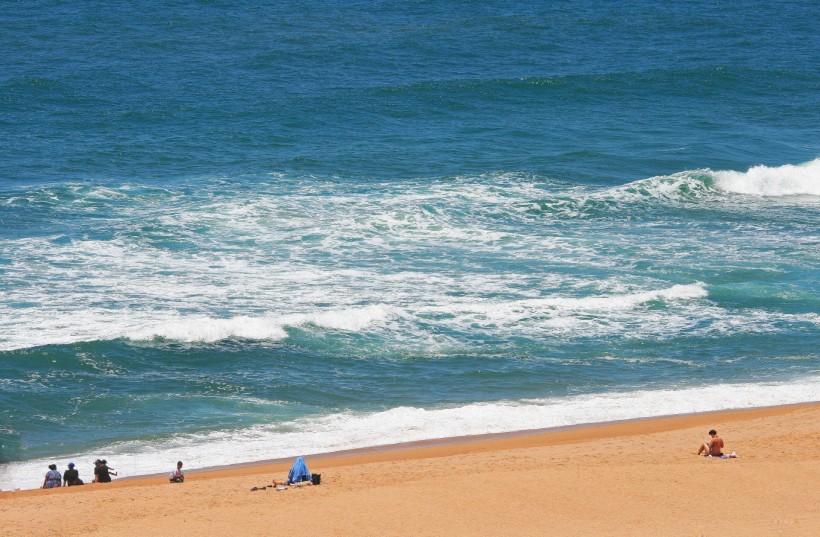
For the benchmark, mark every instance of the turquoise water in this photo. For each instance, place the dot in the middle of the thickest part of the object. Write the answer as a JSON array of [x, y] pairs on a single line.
[[232, 233]]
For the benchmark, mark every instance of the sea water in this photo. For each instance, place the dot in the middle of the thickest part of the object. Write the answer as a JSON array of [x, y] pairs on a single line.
[[234, 232]]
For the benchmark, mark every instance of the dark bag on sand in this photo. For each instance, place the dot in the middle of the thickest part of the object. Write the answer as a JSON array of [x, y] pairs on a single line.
[[316, 478]]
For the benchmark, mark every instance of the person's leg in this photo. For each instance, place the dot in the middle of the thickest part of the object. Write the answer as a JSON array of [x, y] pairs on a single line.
[[704, 448]]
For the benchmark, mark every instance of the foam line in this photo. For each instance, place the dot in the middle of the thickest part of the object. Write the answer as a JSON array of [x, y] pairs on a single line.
[[207, 330], [570, 304]]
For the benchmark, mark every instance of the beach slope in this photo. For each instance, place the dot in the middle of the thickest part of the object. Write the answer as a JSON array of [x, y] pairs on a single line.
[[632, 478]]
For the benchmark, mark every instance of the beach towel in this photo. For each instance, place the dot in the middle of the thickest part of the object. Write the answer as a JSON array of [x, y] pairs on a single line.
[[731, 455], [298, 472]]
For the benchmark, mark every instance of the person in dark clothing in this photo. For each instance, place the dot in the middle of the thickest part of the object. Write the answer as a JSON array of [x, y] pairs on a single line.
[[71, 477], [102, 473], [110, 470]]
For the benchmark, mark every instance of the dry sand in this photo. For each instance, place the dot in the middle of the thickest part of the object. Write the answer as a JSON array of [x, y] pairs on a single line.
[[633, 478]]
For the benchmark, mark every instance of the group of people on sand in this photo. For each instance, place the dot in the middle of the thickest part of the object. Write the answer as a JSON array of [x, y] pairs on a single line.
[[71, 477], [102, 474], [299, 472]]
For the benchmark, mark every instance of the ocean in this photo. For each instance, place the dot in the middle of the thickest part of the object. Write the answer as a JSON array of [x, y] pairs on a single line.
[[239, 231]]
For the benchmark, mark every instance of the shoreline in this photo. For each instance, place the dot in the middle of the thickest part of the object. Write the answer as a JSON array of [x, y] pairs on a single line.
[[629, 478], [736, 414], [411, 426], [454, 444]]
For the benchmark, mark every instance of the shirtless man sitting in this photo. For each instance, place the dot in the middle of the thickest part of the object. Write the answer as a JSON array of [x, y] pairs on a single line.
[[713, 447]]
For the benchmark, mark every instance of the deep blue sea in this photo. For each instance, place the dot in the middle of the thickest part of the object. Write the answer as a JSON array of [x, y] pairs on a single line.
[[234, 231]]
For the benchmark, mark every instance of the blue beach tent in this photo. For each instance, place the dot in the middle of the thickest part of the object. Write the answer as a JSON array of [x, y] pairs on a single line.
[[298, 472]]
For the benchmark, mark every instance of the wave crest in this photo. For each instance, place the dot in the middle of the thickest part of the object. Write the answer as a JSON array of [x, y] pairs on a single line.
[[268, 328], [764, 181], [787, 180], [686, 187]]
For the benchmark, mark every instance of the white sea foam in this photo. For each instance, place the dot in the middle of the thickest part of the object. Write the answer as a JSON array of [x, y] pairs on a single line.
[[103, 325], [348, 430], [208, 330], [516, 309], [787, 180], [761, 181], [204, 329], [402, 308], [681, 186], [66, 323]]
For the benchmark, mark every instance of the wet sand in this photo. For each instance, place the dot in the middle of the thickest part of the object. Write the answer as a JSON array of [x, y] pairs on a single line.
[[626, 478]]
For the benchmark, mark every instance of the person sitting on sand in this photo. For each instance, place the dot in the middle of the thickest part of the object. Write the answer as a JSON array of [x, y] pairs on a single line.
[[176, 475], [53, 478], [71, 477], [102, 473], [713, 447], [110, 470]]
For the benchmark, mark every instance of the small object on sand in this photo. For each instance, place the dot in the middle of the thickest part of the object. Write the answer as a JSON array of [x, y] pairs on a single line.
[[731, 455], [280, 487], [254, 488]]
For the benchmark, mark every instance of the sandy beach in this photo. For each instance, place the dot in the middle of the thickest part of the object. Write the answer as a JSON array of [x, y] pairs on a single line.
[[628, 478]]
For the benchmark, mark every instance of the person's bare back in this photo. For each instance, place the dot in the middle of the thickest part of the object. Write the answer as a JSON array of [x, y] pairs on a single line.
[[713, 447]]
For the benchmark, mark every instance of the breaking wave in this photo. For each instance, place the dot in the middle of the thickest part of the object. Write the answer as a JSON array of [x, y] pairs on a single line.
[[787, 180], [691, 187], [763, 181], [194, 329], [208, 330]]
